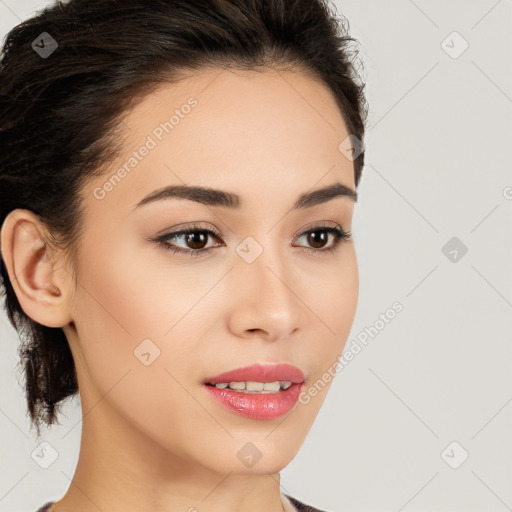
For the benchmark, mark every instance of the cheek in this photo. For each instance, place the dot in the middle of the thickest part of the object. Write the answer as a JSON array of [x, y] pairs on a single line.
[[332, 294], [124, 301], [333, 297], [136, 305], [344, 304], [138, 289]]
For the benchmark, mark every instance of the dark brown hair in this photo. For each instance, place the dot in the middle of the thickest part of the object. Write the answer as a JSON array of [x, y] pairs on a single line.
[[61, 112]]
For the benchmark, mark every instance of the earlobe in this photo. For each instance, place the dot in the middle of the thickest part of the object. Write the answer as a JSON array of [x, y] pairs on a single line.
[[39, 284]]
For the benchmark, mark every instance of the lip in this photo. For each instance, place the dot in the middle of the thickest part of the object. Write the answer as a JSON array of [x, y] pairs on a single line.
[[260, 373], [256, 406]]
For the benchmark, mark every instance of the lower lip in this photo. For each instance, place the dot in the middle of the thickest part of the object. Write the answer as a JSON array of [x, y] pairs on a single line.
[[258, 406]]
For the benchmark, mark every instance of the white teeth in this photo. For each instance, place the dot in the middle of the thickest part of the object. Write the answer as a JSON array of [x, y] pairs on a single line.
[[271, 386], [237, 385], [255, 387]]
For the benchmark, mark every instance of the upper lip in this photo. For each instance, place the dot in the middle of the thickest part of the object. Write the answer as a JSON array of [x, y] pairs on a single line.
[[260, 373]]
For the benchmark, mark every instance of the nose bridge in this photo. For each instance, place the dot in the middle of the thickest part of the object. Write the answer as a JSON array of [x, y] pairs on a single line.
[[263, 264], [267, 286]]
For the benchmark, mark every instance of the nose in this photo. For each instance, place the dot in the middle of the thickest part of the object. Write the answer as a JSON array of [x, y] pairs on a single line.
[[264, 301]]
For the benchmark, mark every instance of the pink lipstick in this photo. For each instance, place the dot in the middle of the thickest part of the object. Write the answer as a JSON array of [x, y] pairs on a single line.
[[259, 391]]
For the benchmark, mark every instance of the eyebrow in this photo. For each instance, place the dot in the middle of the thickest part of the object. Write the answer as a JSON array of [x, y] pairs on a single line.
[[215, 197]]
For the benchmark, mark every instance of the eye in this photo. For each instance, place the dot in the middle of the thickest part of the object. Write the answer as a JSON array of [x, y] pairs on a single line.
[[195, 239], [318, 237]]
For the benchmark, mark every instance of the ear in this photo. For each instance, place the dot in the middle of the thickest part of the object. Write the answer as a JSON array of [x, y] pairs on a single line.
[[39, 278]]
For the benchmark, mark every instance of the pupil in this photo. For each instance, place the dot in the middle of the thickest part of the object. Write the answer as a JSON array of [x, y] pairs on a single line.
[[192, 239], [314, 240]]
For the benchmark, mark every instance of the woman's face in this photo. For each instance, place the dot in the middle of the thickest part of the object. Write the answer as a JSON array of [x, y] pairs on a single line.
[[151, 325]]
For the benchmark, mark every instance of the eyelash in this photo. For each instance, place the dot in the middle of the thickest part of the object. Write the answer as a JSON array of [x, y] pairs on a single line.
[[340, 236]]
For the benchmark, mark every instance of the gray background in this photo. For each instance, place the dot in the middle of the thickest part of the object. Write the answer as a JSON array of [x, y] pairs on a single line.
[[438, 166]]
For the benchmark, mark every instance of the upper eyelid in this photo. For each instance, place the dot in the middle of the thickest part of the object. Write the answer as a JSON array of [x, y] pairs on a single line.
[[194, 227], [181, 231]]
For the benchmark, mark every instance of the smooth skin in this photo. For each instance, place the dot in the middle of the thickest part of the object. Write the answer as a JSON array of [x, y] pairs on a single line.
[[152, 439]]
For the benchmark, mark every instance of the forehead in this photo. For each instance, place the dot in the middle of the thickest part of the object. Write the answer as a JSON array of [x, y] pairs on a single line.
[[241, 129]]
